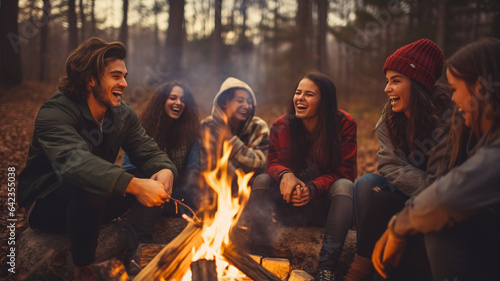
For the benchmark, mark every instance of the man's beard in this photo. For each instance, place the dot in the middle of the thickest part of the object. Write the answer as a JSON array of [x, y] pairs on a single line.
[[100, 94]]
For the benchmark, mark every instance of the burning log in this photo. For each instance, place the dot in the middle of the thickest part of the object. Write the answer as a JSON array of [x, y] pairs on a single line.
[[173, 261], [203, 270], [204, 241], [111, 270], [247, 265]]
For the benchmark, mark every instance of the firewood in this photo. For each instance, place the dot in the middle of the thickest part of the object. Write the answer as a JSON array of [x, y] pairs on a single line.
[[173, 261], [300, 275], [247, 265], [110, 270], [278, 266], [146, 252], [203, 270]]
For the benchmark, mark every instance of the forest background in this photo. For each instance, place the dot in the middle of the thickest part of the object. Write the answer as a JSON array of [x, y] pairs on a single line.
[[269, 44]]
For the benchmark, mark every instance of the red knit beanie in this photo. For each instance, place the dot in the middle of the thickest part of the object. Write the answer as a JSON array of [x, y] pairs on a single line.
[[421, 60]]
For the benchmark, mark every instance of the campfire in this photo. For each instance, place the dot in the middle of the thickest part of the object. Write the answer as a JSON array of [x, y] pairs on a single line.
[[203, 250]]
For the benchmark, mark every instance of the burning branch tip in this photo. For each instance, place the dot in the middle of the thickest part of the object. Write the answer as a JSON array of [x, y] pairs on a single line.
[[177, 201], [195, 221]]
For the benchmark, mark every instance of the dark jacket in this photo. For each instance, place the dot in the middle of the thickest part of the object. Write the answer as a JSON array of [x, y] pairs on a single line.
[[69, 145]]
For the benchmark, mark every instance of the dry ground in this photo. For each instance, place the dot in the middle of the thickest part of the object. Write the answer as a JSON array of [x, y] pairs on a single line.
[[19, 106]]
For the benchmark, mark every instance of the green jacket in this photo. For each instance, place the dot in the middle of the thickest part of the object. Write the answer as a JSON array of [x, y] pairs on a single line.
[[69, 146]]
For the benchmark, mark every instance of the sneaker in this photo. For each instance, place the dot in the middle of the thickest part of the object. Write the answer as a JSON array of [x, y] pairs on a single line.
[[325, 275]]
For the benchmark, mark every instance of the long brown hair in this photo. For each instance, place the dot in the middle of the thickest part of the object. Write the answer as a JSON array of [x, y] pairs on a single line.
[[170, 133], [325, 141], [426, 110], [86, 61], [478, 61]]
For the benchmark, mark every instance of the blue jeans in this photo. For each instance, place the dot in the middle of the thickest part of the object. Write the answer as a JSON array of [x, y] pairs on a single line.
[[376, 200], [364, 188]]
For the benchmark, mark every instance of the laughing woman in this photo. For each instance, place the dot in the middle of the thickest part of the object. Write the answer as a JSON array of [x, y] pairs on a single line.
[[412, 136], [310, 170], [460, 212], [233, 120], [171, 118]]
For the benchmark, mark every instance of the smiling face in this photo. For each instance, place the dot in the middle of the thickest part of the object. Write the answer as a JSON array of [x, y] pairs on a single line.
[[108, 90], [466, 102], [239, 107], [306, 100], [398, 88], [174, 106]]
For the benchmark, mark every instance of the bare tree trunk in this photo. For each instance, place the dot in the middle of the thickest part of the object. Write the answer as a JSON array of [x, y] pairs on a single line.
[[302, 52], [243, 36], [44, 34], [274, 42], [322, 56], [73, 30], [124, 27], [496, 19], [217, 39], [206, 22], [475, 23], [156, 10], [441, 24], [411, 16], [175, 39], [92, 19], [82, 21], [10, 55]]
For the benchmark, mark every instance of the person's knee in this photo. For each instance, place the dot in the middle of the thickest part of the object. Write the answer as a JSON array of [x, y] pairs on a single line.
[[343, 187], [262, 182], [368, 183]]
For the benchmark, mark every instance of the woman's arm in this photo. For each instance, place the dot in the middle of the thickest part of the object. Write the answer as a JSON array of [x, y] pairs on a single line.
[[462, 193], [396, 167], [252, 156], [347, 167]]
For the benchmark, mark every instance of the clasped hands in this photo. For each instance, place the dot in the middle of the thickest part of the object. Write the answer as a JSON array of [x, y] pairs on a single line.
[[294, 190]]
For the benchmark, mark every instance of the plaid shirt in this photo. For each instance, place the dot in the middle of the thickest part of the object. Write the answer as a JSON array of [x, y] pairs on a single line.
[[279, 156]]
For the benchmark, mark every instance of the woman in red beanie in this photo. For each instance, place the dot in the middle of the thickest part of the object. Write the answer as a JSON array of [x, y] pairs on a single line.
[[460, 212], [412, 135]]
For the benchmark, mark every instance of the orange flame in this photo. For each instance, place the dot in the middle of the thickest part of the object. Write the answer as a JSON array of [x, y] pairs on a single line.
[[220, 217]]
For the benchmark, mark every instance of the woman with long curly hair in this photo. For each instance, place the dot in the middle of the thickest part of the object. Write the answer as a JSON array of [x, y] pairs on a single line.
[[171, 118], [412, 134], [459, 214], [311, 167]]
